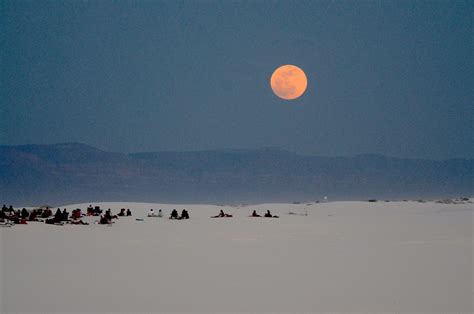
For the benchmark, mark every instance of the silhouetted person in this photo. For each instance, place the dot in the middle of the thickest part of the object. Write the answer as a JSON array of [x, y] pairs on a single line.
[[254, 214], [129, 212], [104, 220], [65, 215], [90, 211], [24, 213], [97, 211], [122, 212], [222, 214], [58, 216], [33, 215], [184, 214], [174, 214]]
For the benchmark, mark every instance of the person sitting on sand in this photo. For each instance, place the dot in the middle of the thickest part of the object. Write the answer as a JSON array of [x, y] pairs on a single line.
[[222, 214], [108, 214], [269, 215], [65, 215], [33, 215], [129, 212], [76, 214], [151, 213], [46, 213], [24, 213], [160, 213], [184, 214], [97, 211], [174, 214], [122, 212], [254, 214], [58, 216], [104, 220]]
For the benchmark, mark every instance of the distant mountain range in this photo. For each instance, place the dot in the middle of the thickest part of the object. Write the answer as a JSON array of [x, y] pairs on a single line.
[[71, 172]]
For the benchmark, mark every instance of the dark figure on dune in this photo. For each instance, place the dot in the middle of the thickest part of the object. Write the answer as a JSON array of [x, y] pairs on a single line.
[[65, 215], [269, 215], [254, 214], [33, 216], [104, 220], [122, 212], [58, 216], [184, 214], [108, 214], [46, 213], [129, 212], [174, 214], [24, 213], [222, 214], [97, 211]]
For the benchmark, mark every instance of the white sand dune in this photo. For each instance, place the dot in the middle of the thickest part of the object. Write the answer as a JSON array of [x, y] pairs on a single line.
[[342, 257]]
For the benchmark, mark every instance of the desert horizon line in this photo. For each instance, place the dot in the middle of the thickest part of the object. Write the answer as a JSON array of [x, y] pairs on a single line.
[[236, 150]]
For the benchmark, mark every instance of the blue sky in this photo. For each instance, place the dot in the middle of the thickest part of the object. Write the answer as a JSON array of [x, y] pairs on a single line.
[[385, 77]]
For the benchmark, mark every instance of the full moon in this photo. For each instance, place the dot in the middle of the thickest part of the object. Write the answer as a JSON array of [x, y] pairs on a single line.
[[288, 82]]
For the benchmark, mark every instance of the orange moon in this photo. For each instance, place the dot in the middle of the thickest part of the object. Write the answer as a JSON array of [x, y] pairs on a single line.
[[288, 82]]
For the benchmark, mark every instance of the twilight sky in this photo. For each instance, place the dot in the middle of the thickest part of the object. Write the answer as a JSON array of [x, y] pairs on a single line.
[[394, 78]]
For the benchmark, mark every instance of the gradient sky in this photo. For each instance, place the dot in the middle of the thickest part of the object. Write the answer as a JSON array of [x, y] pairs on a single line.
[[394, 78]]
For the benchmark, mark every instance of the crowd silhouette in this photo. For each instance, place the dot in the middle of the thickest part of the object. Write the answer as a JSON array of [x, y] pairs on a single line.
[[10, 216]]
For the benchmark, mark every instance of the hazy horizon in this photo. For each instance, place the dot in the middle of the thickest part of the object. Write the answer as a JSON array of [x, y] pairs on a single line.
[[231, 149]]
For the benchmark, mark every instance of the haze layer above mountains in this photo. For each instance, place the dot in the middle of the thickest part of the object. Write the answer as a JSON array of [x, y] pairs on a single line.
[[73, 173]]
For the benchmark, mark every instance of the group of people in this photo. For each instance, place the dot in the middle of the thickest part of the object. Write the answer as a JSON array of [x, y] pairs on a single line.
[[184, 214], [266, 215], [123, 213], [8, 215], [12, 216], [152, 213]]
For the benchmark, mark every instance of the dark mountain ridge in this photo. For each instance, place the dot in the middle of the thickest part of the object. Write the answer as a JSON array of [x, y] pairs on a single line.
[[74, 172]]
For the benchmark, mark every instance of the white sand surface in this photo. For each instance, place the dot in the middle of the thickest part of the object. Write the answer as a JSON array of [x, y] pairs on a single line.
[[341, 257]]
